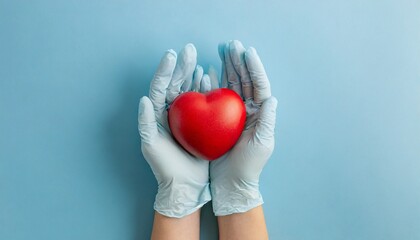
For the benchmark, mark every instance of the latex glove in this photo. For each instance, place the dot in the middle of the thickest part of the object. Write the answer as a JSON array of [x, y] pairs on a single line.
[[235, 176], [183, 180], [205, 82]]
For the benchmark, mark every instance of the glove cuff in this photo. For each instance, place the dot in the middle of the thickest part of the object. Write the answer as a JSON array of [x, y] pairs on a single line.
[[237, 198], [179, 200]]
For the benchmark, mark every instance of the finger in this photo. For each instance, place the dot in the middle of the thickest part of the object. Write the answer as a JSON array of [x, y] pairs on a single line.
[[259, 78], [186, 85], [214, 80], [221, 49], [198, 74], [185, 66], [161, 81], [146, 121], [205, 84], [264, 129], [233, 80], [237, 54]]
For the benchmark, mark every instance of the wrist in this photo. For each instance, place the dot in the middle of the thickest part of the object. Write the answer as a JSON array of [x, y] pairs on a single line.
[[185, 228], [235, 197], [177, 199]]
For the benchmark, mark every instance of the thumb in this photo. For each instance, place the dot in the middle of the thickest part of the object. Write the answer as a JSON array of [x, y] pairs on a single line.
[[146, 120], [264, 129]]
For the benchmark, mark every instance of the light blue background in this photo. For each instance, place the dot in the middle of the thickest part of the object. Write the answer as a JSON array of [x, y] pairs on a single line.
[[346, 73]]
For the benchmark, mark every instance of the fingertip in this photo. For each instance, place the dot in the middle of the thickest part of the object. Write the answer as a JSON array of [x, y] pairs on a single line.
[[143, 100], [188, 55], [205, 83], [143, 104], [167, 63], [236, 45], [168, 59], [199, 68], [206, 79], [190, 48], [170, 53], [250, 52], [237, 52], [221, 49], [227, 51], [190, 45], [272, 101], [236, 42], [197, 76]]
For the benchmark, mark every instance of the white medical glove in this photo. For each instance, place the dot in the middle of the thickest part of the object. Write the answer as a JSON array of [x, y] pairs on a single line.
[[183, 180], [235, 176]]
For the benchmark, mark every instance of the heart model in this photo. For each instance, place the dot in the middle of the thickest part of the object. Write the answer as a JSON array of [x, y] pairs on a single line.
[[207, 125]]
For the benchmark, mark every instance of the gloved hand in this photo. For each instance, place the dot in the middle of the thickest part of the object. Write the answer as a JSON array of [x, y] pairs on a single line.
[[183, 180], [235, 176]]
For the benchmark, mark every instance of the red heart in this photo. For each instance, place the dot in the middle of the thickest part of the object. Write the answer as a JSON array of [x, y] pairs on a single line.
[[207, 125]]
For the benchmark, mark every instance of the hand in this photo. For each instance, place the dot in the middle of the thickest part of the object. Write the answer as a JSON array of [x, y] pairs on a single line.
[[235, 176], [183, 180]]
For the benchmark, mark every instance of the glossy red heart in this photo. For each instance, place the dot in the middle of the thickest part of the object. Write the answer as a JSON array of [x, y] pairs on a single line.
[[207, 125]]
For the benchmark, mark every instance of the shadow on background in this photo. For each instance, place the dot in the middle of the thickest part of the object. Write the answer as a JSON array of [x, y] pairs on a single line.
[[123, 144], [208, 223]]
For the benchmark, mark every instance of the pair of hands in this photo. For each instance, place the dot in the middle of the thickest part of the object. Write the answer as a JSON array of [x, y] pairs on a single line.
[[184, 180]]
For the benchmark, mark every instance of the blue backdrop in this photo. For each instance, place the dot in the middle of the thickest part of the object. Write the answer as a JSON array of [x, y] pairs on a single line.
[[346, 74]]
